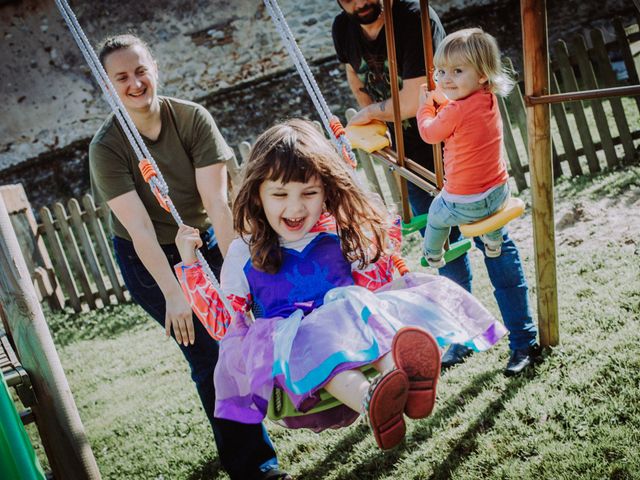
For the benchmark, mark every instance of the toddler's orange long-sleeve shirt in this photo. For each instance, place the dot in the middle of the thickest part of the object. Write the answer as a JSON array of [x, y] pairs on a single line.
[[471, 129]]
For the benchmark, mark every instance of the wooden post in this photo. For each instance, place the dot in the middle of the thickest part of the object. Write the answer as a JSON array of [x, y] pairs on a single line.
[[427, 45], [395, 99], [536, 81], [56, 415]]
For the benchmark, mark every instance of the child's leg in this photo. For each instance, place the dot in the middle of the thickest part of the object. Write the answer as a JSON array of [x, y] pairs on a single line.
[[384, 364], [438, 228], [492, 243], [383, 401], [494, 236], [350, 387]]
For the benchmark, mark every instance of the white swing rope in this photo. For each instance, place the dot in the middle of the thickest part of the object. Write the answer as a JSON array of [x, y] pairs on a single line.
[[339, 139], [156, 182]]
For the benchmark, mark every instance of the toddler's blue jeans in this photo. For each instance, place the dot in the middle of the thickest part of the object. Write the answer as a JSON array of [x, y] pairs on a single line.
[[242, 448], [444, 214], [505, 273]]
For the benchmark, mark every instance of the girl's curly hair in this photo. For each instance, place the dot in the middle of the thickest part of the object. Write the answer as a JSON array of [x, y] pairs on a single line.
[[295, 151]]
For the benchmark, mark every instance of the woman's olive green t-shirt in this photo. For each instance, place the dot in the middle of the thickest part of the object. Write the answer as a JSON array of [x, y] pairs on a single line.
[[189, 139]]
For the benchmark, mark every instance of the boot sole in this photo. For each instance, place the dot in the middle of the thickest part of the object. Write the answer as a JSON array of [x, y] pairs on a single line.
[[416, 352]]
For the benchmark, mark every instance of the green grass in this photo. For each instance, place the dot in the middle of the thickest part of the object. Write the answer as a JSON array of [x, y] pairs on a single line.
[[576, 415]]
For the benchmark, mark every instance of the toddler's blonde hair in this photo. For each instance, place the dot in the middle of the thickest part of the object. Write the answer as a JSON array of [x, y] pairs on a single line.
[[477, 48]]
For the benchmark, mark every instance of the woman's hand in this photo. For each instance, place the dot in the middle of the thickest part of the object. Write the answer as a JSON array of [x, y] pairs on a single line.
[[179, 318], [187, 240]]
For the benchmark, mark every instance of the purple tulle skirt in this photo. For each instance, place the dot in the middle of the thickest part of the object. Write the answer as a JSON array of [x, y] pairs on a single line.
[[354, 327]]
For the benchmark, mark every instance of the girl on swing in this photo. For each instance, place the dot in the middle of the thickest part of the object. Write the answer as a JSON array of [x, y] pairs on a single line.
[[313, 248], [469, 73]]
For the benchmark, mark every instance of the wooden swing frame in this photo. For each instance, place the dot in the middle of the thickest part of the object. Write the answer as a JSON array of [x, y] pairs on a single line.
[[537, 99]]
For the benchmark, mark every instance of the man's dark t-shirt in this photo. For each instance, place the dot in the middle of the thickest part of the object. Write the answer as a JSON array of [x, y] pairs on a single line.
[[369, 60]]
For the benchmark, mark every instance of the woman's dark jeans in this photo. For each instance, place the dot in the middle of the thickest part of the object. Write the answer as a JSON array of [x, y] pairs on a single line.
[[243, 448]]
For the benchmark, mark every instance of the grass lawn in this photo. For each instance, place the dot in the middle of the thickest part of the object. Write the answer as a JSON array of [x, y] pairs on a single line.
[[576, 415]]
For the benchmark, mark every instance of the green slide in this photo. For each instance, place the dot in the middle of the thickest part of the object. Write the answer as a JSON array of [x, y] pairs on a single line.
[[17, 459]]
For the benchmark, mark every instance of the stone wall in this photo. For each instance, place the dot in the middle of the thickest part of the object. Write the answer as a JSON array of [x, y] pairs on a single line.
[[226, 55]]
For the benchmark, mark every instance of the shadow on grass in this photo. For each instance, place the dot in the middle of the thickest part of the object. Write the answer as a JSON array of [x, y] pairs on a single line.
[[468, 441], [206, 471], [381, 464], [68, 327]]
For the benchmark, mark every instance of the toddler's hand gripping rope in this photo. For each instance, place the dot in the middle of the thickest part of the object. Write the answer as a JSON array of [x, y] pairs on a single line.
[[147, 164]]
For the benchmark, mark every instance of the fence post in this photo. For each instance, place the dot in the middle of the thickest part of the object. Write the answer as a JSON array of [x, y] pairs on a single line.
[[607, 78], [56, 415], [597, 110], [26, 229], [93, 219], [571, 84]]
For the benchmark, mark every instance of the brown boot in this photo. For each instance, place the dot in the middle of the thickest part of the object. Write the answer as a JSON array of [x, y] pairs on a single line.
[[416, 352], [385, 405]]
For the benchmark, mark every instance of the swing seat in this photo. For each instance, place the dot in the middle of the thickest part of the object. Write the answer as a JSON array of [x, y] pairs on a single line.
[[416, 223], [281, 406], [370, 137], [513, 208], [456, 249]]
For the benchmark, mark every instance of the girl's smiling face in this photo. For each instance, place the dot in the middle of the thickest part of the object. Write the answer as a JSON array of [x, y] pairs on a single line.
[[293, 208], [459, 80]]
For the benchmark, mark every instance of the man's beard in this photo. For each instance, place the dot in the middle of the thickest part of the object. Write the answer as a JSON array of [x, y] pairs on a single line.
[[374, 12]]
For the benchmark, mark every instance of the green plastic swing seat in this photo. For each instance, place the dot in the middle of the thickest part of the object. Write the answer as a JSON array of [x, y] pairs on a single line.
[[281, 406], [416, 223], [456, 249]]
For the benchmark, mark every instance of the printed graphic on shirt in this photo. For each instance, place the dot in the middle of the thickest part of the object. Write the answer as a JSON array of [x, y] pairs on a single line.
[[374, 74]]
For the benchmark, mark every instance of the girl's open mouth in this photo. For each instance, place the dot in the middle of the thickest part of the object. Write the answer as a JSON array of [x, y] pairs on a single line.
[[293, 223]]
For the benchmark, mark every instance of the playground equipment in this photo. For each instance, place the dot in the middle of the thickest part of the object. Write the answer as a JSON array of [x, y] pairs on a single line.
[[17, 458], [53, 407], [537, 99]]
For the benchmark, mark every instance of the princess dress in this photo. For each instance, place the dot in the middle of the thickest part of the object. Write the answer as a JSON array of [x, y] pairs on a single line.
[[318, 316]]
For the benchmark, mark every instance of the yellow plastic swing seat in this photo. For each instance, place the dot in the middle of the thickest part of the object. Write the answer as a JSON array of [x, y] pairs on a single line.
[[370, 137], [513, 208]]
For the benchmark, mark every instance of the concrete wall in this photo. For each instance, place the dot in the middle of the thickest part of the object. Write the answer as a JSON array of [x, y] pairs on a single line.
[[225, 54], [50, 100]]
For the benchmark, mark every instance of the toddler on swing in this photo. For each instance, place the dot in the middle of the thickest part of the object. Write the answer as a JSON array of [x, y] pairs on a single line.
[[468, 73], [312, 251]]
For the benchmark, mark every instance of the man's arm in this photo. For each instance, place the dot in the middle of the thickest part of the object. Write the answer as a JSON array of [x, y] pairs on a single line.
[[383, 110], [130, 210], [211, 182]]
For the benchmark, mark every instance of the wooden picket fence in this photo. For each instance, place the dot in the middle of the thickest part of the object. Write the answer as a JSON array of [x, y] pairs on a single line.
[[577, 147], [68, 254], [71, 260]]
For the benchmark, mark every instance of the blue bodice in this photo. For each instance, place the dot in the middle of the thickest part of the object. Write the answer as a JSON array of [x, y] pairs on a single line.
[[303, 279]]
